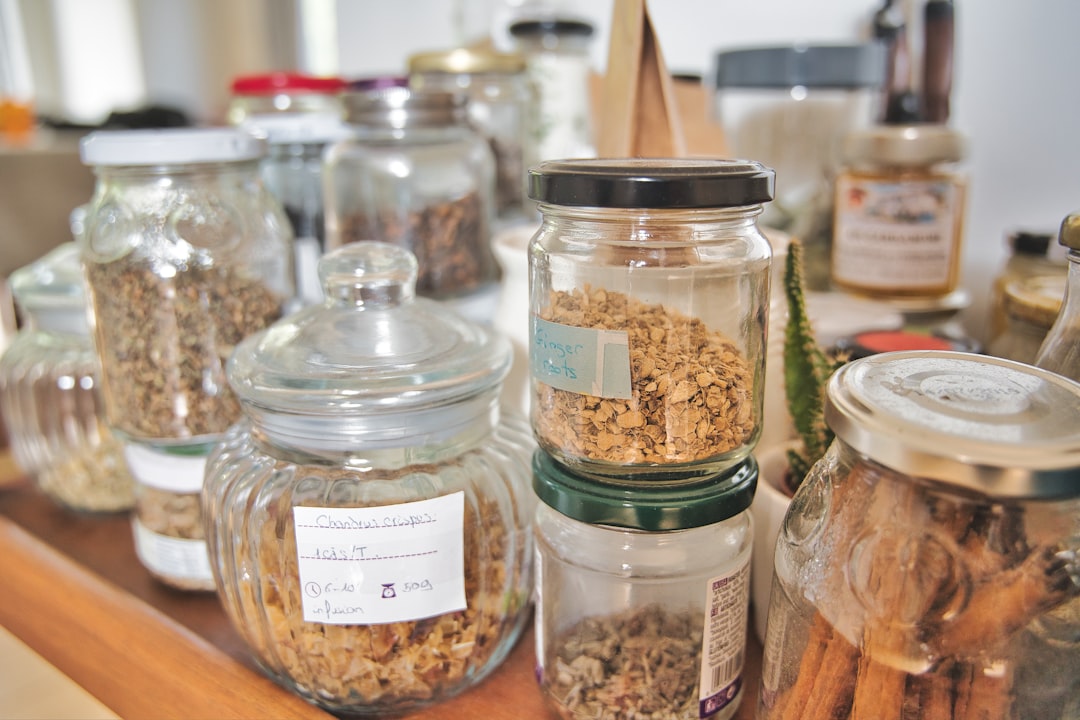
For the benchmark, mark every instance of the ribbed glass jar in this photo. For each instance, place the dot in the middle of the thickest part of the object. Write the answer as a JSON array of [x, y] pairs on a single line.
[[49, 391], [928, 564], [368, 520], [649, 297]]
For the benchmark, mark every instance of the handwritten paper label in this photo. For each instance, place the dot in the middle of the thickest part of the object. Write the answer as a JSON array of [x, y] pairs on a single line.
[[582, 360], [382, 564]]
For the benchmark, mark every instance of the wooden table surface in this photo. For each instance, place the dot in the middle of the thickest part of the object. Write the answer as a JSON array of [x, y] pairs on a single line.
[[76, 593]]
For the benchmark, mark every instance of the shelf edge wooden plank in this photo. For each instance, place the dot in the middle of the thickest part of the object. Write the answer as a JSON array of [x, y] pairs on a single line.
[[135, 660]]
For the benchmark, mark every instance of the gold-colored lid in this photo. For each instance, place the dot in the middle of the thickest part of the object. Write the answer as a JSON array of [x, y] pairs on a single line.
[[1069, 236], [905, 145], [466, 60], [1035, 300]]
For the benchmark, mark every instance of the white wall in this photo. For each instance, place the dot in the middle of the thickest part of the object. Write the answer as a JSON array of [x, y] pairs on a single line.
[[1014, 94]]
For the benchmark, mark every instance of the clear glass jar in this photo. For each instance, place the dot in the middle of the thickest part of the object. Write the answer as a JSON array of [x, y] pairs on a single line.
[[649, 296], [292, 171], [186, 253], [899, 221], [928, 564], [1030, 255], [416, 174], [168, 521], [370, 516], [1060, 352], [287, 92], [1031, 307], [633, 619], [49, 391], [501, 102], [556, 51]]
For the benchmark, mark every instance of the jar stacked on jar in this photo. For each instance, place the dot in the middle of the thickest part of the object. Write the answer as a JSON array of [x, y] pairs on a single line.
[[649, 285], [185, 254], [370, 514]]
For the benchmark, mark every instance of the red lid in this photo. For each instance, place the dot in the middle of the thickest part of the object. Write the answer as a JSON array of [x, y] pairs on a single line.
[[285, 82]]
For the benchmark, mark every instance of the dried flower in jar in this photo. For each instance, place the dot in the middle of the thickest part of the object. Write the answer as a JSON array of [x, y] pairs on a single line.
[[164, 338], [691, 387], [639, 663]]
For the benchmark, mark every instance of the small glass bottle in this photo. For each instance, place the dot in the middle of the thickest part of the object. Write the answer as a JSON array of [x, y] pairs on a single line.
[[642, 594], [556, 50], [1060, 352], [415, 173], [501, 102], [49, 392], [369, 517], [1031, 306], [288, 92], [899, 214], [649, 294], [928, 563]]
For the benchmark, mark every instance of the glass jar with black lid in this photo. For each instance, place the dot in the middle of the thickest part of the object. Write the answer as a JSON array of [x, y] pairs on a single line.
[[649, 291]]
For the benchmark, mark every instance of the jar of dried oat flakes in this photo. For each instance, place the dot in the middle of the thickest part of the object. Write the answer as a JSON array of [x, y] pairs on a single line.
[[642, 594], [417, 174], [186, 253], [369, 517], [649, 296]]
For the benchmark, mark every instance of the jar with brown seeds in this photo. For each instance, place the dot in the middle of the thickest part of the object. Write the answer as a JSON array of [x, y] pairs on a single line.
[[649, 285], [185, 253]]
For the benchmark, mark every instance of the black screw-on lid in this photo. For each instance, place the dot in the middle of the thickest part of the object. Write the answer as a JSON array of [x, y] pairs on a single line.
[[1030, 243], [551, 26], [820, 66], [651, 183], [648, 504]]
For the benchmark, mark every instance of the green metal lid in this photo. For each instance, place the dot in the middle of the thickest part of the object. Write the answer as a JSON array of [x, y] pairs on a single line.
[[645, 505]]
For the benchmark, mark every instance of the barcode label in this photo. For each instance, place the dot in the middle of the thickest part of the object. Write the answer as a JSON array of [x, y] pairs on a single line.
[[723, 674], [723, 649]]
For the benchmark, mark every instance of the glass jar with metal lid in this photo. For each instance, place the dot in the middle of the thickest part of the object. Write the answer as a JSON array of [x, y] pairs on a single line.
[[929, 560], [369, 516], [290, 92], [500, 103], [186, 253], [415, 173], [1031, 306], [899, 217], [1060, 352], [649, 292], [49, 391], [642, 594]]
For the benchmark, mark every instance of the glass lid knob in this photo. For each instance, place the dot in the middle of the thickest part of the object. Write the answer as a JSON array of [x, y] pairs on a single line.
[[369, 274]]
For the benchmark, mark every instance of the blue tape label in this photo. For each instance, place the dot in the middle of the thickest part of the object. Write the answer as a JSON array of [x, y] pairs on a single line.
[[587, 361]]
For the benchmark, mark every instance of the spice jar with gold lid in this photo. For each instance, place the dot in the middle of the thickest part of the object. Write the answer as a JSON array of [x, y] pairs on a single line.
[[649, 292], [930, 559], [643, 593], [899, 215], [369, 517], [1031, 306]]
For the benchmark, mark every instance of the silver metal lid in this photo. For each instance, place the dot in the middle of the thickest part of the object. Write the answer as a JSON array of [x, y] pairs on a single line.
[[995, 427], [400, 107]]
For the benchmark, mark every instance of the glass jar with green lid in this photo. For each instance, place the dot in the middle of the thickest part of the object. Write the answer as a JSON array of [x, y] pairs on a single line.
[[642, 594], [649, 293], [930, 559], [369, 517]]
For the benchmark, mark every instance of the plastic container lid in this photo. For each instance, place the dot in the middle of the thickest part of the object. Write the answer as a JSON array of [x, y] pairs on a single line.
[[811, 66], [527, 27], [51, 289], [652, 505], [992, 426], [374, 365], [171, 146], [651, 183], [904, 145], [287, 83], [466, 61]]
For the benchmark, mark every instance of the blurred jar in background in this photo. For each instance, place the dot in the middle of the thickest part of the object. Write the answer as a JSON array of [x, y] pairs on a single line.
[[282, 92], [1031, 305], [500, 103], [49, 391], [1031, 254]]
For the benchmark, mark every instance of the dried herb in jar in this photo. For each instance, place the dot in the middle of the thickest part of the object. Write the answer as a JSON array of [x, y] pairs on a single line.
[[164, 338], [692, 389]]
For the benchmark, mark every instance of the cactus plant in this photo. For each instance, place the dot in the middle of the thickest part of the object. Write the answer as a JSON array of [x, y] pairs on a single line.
[[807, 368]]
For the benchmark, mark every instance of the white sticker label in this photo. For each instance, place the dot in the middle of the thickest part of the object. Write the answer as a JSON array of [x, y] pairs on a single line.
[[723, 647], [386, 564], [172, 557]]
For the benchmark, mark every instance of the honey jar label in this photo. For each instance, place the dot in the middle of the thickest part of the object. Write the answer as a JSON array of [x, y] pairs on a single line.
[[589, 361], [393, 563], [895, 235]]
